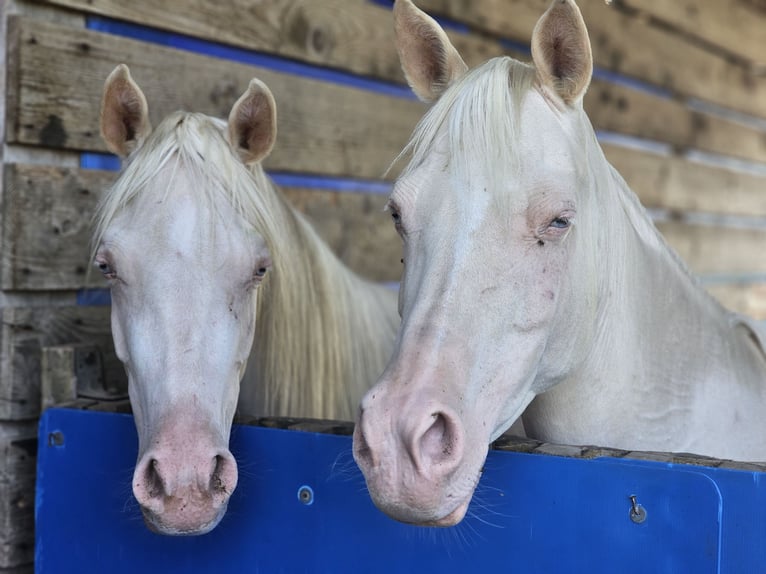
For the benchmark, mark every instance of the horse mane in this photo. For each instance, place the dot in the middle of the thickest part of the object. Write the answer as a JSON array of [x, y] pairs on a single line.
[[322, 334]]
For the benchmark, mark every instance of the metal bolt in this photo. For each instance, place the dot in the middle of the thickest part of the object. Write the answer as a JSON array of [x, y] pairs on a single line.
[[637, 512], [56, 438], [306, 495]]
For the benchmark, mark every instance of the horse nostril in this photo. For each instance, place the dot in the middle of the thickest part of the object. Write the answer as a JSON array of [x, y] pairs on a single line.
[[223, 478], [148, 482], [361, 448], [440, 443], [216, 483], [154, 486]]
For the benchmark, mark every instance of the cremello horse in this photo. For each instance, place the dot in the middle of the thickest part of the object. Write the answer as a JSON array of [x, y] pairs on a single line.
[[535, 280], [195, 243]]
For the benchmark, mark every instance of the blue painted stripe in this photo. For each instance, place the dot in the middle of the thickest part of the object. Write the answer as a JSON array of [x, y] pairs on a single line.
[[95, 160], [627, 81], [518, 46], [243, 56], [443, 21], [332, 183], [109, 162], [93, 297]]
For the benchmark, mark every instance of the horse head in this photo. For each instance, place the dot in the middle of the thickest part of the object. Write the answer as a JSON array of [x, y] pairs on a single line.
[[489, 210], [184, 264]]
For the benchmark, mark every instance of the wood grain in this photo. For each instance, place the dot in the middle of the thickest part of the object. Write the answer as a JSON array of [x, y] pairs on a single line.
[[746, 298], [48, 210], [351, 35], [672, 182], [627, 43], [735, 27], [355, 227], [18, 456], [26, 330], [717, 250], [365, 29], [324, 128]]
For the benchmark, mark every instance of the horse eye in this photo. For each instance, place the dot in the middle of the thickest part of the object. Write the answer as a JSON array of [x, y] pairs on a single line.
[[106, 270], [261, 272], [560, 223], [396, 216]]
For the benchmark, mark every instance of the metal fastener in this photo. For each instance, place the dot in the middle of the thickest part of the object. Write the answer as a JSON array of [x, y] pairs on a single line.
[[637, 512], [306, 495], [56, 438]]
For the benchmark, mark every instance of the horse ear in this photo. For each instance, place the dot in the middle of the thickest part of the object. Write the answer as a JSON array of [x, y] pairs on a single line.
[[253, 123], [561, 51], [124, 113], [429, 60]]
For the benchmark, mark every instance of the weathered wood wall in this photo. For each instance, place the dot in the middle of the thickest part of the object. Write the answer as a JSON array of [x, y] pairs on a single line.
[[685, 80]]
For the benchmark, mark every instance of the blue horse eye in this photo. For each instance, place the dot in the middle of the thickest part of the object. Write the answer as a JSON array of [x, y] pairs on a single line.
[[560, 223]]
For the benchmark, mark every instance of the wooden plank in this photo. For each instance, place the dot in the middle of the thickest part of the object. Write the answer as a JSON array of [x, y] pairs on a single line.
[[638, 113], [610, 106], [717, 250], [737, 27], [671, 182], [61, 202], [628, 44], [47, 214], [745, 298], [25, 330], [324, 128], [73, 371], [18, 456], [351, 35]]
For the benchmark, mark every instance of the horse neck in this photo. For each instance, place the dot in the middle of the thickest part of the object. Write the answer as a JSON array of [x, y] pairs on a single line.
[[322, 333], [656, 342], [658, 292]]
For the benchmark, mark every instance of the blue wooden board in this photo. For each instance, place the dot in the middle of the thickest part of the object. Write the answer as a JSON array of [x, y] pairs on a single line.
[[531, 513]]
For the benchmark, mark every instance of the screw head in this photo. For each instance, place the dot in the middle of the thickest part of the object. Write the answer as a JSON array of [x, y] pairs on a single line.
[[306, 495], [56, 438]]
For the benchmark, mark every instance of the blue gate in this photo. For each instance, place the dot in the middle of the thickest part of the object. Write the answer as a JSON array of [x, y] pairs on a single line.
[[301, 506]]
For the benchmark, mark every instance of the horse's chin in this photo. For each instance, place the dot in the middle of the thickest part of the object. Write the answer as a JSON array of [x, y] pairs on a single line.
[[160, 525], [421, 516], [453, 517]]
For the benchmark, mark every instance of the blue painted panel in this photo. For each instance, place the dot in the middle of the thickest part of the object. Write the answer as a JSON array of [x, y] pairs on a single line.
[[531, 513]]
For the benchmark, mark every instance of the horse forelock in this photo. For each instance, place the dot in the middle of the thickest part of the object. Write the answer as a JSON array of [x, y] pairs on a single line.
[[480, 116], [194, 143]]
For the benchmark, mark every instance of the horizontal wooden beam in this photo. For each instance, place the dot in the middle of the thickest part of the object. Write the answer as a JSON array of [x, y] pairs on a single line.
[[48, 211], [630, 44], [737, 27], [364, 31], [674, 183], [746, 298], [57, 75], [711, 249]]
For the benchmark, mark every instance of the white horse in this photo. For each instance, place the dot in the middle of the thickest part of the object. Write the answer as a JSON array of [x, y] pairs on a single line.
[[535, 280], [196, 243]]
